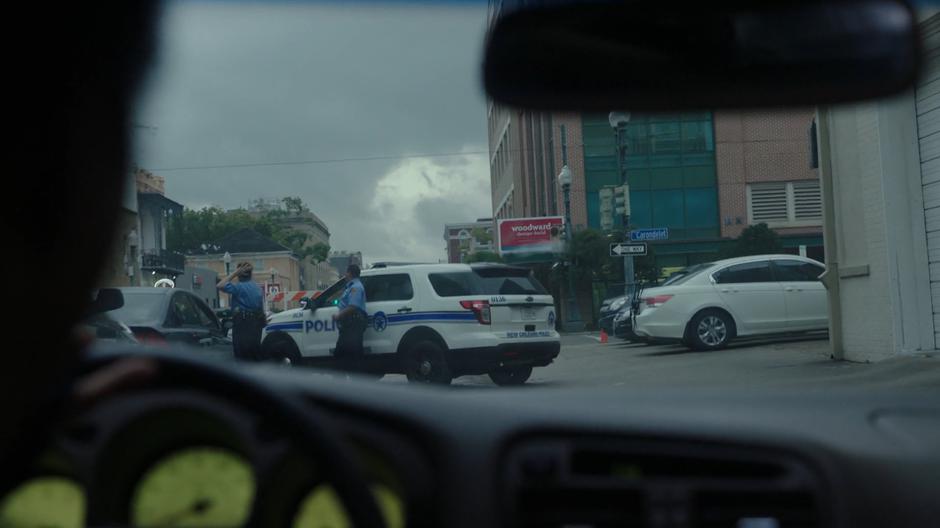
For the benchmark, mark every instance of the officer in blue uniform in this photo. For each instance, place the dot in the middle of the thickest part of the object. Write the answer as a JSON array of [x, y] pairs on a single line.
[[352, 318], [248, 320]]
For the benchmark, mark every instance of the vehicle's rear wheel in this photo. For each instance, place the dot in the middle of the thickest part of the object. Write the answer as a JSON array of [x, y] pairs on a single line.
[[710, 330], [281, 349], [511, 376], [425, 362]]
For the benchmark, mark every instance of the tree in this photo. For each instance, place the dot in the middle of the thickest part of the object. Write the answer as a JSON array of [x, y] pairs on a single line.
[[294, 205], [757, 239], [483, 256], [482, 236], [201, 231], [320, 252]]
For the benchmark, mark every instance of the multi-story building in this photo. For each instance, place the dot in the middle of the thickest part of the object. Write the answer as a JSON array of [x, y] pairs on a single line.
[[155, 214], [276, 267], [703, 176], [469, 237], [140, 257], [314, 275], [766, 174]]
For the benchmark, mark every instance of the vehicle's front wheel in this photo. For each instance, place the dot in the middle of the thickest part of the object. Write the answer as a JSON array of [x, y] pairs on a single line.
[[710, 330], [425, 362], [511, 376], [280, 349]]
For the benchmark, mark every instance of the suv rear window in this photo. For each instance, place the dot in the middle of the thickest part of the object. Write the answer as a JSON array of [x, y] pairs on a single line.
[[486, 282]]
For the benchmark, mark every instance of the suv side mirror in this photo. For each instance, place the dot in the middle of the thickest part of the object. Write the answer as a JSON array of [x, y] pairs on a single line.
[[306, 303], [108, 299]]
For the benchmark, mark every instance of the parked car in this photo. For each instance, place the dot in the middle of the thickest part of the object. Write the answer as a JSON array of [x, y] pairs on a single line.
[[711, 304], [623, 324], [225, 318], [609, 309], [168, 316], [102, 327]]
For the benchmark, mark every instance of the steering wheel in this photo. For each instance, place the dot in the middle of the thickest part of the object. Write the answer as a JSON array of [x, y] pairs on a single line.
[[302, 423]]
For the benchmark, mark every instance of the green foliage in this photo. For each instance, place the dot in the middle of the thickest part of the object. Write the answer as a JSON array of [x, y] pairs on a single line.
[[202, 230], [482, 236], [757, 239], [588, 257], [319, 252], [483, 256]]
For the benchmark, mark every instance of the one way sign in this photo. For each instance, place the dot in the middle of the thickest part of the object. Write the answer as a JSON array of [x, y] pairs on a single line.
[[627, 250]]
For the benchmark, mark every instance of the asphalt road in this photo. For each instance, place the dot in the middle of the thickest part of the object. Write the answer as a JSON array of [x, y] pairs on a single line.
[[802, 363]]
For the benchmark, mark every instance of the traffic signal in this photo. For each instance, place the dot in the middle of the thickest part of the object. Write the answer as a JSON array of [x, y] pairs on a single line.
[[606, 195], [622, 200]]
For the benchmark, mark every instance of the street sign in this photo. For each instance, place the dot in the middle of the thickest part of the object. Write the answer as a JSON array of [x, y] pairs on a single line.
[[627, 250], [656, 233]]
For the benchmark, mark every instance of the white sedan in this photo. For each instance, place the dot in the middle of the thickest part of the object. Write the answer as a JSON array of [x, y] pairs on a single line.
[[707, 305]]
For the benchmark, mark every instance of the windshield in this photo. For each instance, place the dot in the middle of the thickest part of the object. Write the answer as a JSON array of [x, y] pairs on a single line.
[[463, 283], [140, 307], [280, 147], [683, 276]]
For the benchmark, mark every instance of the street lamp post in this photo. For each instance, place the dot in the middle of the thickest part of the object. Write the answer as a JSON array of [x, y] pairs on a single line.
[[271, 287], [618, 121], [573, 313], [227, 259]]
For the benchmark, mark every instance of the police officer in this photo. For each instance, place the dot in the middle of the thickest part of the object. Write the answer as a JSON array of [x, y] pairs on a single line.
[[248, 318], [352, 318]]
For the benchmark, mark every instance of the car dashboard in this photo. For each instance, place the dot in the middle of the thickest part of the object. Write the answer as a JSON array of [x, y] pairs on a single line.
[[530, 456]]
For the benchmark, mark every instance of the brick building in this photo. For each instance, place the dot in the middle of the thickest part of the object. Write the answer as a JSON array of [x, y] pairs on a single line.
[[704, 176], [765, 174]]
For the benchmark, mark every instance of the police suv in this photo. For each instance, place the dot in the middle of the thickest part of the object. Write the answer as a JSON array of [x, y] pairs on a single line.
[[432, 322]]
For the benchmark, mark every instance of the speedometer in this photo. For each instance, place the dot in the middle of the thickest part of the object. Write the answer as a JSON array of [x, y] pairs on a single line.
[[197, 486], [323, 509], [44, 502]]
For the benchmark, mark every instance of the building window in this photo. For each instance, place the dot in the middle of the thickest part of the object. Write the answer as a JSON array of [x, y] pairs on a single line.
[[785, 204]]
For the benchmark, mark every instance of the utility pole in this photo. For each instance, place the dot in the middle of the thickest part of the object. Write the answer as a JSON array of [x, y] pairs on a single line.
[[618, 121], [573, 314]]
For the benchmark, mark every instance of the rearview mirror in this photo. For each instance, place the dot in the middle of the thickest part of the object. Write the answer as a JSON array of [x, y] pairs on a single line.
[[645, 55], [108, 299]]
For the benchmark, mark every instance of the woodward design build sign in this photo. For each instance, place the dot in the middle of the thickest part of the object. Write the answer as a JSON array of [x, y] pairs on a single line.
[[531, 239]]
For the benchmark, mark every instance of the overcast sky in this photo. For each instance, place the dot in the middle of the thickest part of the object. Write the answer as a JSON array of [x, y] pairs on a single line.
[[244, 83]]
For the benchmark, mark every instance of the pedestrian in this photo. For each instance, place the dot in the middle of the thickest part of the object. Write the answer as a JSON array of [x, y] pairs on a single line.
[[352, 319], [247, 303]]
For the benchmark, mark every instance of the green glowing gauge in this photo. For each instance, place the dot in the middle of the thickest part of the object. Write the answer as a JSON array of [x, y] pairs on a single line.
[[323, 509], [44, 502], [197, 486]]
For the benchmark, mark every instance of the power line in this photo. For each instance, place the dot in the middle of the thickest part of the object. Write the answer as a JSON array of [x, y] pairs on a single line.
[[333, 160], [320, 161]]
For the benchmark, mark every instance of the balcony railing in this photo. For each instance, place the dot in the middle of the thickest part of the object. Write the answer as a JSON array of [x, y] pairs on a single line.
[[163, 260]]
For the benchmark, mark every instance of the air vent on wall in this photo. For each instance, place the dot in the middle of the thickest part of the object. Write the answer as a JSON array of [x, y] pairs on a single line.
[[590, 482]]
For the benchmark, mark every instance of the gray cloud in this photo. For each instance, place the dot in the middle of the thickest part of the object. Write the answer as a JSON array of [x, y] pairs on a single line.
[[249, 83]]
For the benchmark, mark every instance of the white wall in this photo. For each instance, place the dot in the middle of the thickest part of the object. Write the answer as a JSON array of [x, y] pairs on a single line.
[[880, 237]]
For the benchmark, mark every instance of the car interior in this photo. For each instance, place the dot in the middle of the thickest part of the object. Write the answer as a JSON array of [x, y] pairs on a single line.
[[119, 436]]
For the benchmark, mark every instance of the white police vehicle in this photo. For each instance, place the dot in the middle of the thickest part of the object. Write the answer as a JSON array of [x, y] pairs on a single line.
[[432, 322]]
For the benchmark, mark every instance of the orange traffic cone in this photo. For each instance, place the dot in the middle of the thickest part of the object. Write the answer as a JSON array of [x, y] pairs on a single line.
[[603, 337]]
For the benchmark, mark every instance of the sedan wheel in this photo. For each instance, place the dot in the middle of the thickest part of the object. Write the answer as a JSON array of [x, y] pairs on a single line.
[[711, 330]]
